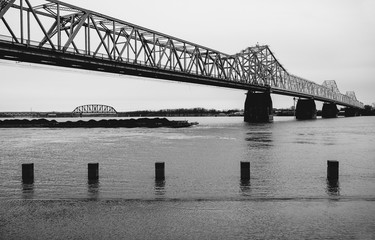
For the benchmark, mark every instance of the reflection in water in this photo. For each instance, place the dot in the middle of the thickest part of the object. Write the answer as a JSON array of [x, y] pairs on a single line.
[[260, 138], [93, 189], [159, 188], [27, 190], [245, 187], [333, 187], [260, 135]]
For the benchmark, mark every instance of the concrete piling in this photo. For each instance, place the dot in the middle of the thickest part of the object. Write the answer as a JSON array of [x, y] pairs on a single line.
[[305, 109], [332, 170], [28, 172], [93, 171], [258, 107], [329, 110], [245, 171], [159, 171]]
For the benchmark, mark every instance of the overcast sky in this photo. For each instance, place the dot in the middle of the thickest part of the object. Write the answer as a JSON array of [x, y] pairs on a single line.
[[314, 39]]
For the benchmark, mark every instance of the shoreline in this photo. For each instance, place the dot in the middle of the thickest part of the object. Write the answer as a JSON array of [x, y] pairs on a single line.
[[104, 123]]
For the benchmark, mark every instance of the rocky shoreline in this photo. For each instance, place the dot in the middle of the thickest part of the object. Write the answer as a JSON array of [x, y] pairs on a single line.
[[104, 123]]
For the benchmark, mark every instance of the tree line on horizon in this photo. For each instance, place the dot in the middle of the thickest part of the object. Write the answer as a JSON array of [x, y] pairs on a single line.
[[367, 111], [181, 112]]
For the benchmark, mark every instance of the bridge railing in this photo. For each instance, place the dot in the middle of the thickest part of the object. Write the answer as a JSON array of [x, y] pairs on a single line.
[[69, 29]]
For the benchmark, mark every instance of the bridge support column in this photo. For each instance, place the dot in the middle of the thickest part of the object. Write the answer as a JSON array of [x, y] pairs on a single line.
[[258, 107], [305, 109], [160, 171], [329, 110], [93, 172], [245, 171], [351, 112], [332, 170], [28, 173]]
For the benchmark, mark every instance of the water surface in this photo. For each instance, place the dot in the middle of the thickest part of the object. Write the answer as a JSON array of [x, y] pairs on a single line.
[[287, 197]]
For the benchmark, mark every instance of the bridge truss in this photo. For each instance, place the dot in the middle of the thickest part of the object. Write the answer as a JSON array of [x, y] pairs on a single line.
[[56, 33], [94, 109]]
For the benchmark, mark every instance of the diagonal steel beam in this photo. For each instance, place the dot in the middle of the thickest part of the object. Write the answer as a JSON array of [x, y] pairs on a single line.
[[100, 44], [4, 9], [162, 55], [191, 62], [127, 43], [51, 32], [100, 36], [177, 57], [148, 50], [40, 24], [75, 32], [115, 44], [114, 48], [200, 62], [74, 45], [10, 30]]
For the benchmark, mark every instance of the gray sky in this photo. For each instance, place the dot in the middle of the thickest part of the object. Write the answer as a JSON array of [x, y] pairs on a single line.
[[314, 39]]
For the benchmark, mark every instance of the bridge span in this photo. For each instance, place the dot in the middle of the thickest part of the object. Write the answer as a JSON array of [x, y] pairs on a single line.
[[94, 109], [60, 34]]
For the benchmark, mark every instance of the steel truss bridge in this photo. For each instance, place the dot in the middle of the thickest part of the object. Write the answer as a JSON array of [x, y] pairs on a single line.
[[94, 109], [56, 33]]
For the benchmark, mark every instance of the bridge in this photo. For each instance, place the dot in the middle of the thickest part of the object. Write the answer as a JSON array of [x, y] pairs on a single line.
[[60, 34], [94, 109]]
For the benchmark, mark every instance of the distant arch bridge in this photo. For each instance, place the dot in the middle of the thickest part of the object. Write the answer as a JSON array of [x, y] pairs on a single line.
[[94, 109]]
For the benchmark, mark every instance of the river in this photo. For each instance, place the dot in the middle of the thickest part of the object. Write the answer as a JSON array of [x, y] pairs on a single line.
[[202, 197]]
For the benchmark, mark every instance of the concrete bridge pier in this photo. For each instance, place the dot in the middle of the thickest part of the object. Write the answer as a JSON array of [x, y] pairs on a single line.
[[329, 110], [305, 109], [351, 112], [258, 107]]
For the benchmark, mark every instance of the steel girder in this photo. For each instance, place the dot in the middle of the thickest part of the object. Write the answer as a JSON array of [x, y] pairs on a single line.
[[264, 69], [64, 28], [94, 108]]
